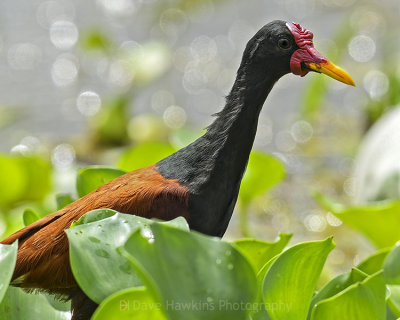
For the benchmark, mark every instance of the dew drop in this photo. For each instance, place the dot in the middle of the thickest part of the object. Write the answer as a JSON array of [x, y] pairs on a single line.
[[228, 252], [218, 261], [126, 268], [147, 233], [209, 299], [102, 253], [230, 266], [94, 239]]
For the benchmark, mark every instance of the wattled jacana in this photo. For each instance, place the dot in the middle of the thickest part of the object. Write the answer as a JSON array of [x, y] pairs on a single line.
[[199, 182]]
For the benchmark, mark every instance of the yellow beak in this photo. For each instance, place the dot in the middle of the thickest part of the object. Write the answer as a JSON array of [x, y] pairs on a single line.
[[331, 70]]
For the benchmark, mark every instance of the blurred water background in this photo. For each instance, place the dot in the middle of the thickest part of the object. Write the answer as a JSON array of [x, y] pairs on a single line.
[[165, 66]]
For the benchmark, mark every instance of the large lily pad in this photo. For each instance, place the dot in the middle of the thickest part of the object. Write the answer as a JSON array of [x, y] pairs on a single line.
[[192, 275], [394, 300], [374, 262], [362, 300], [391, 266], [94, 251], [290, 281], [18, 305], [380, 221], [337, 285], [129, 304], [8, 257], [260, 252]]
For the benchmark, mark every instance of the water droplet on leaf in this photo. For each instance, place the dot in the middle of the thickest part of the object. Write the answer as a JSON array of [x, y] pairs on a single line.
[[102, 253], [94, 239], [126, 268]]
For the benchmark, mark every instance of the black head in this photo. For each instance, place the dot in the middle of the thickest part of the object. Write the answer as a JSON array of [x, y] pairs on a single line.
[[282, 47], [271, 49]]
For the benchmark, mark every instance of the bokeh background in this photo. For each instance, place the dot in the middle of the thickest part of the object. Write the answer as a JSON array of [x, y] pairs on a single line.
[[122, 83]]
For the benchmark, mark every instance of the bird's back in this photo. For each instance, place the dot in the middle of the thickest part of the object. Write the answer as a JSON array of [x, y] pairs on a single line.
[[43, 259]]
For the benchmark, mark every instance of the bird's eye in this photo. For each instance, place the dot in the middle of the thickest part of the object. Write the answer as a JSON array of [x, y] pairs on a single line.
[[284, 43]]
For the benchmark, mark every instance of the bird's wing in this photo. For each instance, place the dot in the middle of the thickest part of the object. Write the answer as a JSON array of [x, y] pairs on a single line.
[[43, 258]]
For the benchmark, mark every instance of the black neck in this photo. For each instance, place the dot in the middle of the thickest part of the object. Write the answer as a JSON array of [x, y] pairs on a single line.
[[230, 137], [212, 166]]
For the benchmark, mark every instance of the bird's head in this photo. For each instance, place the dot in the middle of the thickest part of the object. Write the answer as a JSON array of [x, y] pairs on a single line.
[[283, 47]]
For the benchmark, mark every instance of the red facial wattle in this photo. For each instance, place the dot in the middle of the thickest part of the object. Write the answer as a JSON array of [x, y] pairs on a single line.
[[306, 52], [306, 57]]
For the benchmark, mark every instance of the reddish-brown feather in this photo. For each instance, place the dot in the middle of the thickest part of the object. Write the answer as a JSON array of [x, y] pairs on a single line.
[[43, 258]]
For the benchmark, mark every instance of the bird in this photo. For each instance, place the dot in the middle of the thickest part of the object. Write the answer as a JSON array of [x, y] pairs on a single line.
[[199, 182]]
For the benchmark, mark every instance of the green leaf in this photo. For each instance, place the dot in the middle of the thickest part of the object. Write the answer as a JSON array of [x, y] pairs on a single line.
[[94, 256], [18, 305], [63, 200], [57, 304], [291, 279], [110, 124], [144, 154], [95, 40], [337, 285], [91, 178], [13, 180], [93, 216], [8, 258], [129, 304], [380, 222], [391, 266], [363, 300], [260, 252], [374, 262], [179, 223], [38, 177], [94, 241], [394, 300], [29, 216], [185, 270], [23, 178], [260, 313], [314, 95], [261, 274], [262, 173]]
